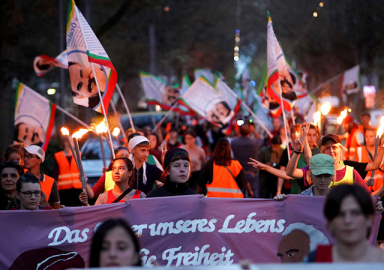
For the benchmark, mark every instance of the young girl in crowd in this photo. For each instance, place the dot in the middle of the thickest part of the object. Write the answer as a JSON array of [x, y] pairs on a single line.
[[350, 215], [122, 175], [177, 165], [197, 155], [114, 244]]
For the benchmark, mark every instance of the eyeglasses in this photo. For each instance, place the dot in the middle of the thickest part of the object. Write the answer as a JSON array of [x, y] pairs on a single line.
[[115, 169], [26, 156], [37, 193], [11, 162]]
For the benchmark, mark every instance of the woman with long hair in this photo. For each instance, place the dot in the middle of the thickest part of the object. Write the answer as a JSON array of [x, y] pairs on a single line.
[[114, 244], [197, 155], [223, 176], [350, 215], [122, 175], [177, 170]]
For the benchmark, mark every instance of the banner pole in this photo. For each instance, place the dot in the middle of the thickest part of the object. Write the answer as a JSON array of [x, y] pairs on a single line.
[[165, 116], [126, 107], [120, 125], [284, 119], [103, 109], [252, 113], [256, 118]]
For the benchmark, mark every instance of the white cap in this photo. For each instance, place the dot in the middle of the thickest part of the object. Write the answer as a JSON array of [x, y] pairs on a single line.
[[135, 141], [35, 150]]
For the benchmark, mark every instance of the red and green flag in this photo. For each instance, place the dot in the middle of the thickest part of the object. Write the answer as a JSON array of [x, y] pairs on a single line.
[[280, 88], [90, 70], [34, 117]]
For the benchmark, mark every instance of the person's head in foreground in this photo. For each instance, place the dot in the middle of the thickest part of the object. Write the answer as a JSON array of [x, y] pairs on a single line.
[[177, 166], [350, 215], [331, 145], [114, 244], [28, 192], [321, 172]]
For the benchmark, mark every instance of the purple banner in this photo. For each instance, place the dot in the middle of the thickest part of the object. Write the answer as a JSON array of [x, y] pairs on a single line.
[[183, 230]]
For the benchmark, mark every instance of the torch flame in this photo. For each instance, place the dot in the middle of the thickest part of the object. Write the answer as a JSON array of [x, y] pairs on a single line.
[[79, 133], [64, 131], [380, 130], [343, 114], [116, 132], [317, 117], [325, 108], [102, 127]]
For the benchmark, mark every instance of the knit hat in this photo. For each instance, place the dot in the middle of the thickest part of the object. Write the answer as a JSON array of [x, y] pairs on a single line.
[[322, 164], [171, 154]]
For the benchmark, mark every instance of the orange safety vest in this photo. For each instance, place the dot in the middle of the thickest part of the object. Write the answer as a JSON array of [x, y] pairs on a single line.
[[46, 185], [223, 182], [69, 175], [351, 144], [362, 156]]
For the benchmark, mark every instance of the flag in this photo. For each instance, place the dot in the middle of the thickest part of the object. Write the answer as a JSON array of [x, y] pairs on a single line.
[[44, 63], [231, 99], [34, 117], [351, 81], [185, 84], [160, 93], [277, 73], [83, 49], [218, 107]]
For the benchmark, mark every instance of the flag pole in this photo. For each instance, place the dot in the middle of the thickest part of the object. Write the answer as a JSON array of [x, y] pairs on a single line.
[[126, 107], [256, 118], [284, 119], [103, 109], [97, 85], [165, 116], [120, 125], [252, 113]]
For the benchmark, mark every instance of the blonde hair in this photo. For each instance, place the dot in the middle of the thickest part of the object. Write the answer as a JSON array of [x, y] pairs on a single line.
[[322, 148]]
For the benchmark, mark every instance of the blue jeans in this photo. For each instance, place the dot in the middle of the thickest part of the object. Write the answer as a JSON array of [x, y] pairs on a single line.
[[253, 180]]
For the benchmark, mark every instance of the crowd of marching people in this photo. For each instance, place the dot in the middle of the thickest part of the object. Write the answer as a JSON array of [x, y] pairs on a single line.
[[193, 159]]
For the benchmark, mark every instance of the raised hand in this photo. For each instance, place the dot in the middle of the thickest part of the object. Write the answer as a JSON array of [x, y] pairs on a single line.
[[256, 164]]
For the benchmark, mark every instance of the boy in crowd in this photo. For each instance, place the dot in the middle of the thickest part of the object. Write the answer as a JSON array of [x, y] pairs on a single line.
[[33, 157], [28, 192]]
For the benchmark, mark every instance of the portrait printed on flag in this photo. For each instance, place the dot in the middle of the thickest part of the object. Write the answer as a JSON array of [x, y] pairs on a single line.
[[209, 102], [83, 80], [32, 117]]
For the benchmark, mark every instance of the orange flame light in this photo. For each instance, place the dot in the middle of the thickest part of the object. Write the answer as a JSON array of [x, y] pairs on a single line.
[[317, 117], [79, 133], [116, 131], [343, 114], [102, 127], [64, 131], [325, 108], [380, 130]]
